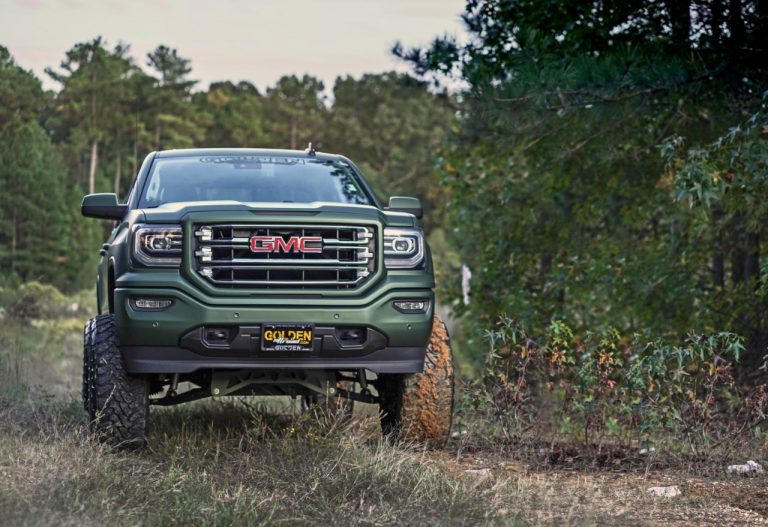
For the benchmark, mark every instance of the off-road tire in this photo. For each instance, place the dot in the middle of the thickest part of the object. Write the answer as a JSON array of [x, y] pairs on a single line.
[[117, 403], [87, 354], [418, 408]]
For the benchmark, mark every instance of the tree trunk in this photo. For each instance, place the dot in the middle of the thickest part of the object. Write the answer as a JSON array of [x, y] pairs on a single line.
[[545, 264], [718, 258], [135, 167], [735, 27], [13, 240], [680, 20], [294, 141], [95, 144], [92, 171], [136, 144], [737, 254], [737, 266], [753, 325], [752, 257], [81, 177], [157, 134], [762, 17], [118, 175], [715, 21]]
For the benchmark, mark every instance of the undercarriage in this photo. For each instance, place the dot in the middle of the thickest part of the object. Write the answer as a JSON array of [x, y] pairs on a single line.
[[354, 386]]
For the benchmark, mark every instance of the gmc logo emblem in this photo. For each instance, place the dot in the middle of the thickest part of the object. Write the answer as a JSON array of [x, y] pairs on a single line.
[[294, 244]]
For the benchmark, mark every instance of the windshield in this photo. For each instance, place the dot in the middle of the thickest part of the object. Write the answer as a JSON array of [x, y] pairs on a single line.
[[251, 179]]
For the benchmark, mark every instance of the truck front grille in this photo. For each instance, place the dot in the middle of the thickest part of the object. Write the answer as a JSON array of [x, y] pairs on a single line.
[[285, 256]]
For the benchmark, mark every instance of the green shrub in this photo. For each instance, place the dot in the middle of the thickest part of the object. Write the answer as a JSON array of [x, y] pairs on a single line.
[[607, 387], [34, 300]]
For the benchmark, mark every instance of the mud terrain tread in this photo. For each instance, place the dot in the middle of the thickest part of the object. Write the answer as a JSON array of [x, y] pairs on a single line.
[[87, 364], [118, 403], [418, 408]]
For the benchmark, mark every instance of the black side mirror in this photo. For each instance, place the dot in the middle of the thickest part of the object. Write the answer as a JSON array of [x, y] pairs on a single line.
[[406, 204], [104, 206]]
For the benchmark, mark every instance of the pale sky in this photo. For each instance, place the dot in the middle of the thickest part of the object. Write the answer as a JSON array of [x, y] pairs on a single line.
[[256, 40]]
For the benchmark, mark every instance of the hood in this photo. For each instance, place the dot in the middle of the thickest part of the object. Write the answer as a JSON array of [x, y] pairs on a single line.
[[177, 212]]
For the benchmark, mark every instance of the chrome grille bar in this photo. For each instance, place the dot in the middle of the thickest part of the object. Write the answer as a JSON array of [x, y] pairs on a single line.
[[336, 256], [241, 263]]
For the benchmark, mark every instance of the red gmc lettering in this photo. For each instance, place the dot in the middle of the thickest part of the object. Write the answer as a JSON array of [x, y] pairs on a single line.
[[294, 244]]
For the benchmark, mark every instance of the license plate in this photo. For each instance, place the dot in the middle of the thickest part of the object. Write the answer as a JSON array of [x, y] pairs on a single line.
[[286, 337]]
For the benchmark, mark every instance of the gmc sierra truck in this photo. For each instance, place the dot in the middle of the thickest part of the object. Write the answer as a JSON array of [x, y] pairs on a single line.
[[264, 272]]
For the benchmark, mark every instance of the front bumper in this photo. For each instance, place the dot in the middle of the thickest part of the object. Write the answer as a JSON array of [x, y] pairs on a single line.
[[165, 342], [140, 360]]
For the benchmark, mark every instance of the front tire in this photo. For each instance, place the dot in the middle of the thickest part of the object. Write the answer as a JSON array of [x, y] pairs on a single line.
[[418, 408], [116, 401]]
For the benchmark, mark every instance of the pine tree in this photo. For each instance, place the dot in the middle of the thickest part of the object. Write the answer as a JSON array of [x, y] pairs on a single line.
[[553, 171], [295, 112], [236, 115], [91, 102], [35, 238], [392, 125], [174, 120], [20, 92]]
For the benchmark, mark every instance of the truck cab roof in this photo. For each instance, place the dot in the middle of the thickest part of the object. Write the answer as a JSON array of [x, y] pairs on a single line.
[[265, 152]]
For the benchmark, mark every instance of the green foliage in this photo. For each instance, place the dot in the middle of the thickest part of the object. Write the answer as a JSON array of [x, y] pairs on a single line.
[[723, 185], [92, 133], [236, 115], [176, 121], [91, 101], [602, 386], [20, 92], [295, 112], [37, 238], [32, 300], [731, 171], [391, 125], [557, 198]]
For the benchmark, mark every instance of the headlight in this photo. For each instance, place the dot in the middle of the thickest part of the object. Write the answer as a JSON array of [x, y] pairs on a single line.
[[403, 248], [158, 245]]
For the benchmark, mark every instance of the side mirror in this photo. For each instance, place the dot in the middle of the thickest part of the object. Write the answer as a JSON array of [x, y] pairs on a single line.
[[405, 204], [104, 206]]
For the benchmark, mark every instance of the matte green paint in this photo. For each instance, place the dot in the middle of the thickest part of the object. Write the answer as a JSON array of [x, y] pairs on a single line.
[[197, 302], [100, 200], [103, 206], [406, 204]]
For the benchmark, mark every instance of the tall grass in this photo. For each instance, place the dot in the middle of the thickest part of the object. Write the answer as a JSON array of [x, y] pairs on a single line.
[[215, 462], [221, 464], [236, 462]]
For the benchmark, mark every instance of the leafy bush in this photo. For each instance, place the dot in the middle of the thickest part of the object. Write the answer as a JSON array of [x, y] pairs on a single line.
[[607, 387], [34, 301]]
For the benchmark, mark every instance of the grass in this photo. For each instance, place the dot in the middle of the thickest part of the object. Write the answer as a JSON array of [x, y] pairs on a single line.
[[237, 462], [214, 462], [222, 464]]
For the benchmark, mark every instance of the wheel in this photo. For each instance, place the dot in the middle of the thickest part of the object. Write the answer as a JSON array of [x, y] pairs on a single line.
[[87, 354], [418, 408], [117, 402]]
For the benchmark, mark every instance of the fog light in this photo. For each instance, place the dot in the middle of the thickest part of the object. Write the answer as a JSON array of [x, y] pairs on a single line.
[[151, 304], [411, 306]]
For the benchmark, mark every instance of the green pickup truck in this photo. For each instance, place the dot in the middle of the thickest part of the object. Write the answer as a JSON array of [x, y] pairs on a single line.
[[264, 272]]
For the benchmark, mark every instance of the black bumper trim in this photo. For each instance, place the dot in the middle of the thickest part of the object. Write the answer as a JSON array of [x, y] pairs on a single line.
[[245, 342], [146, 359]]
